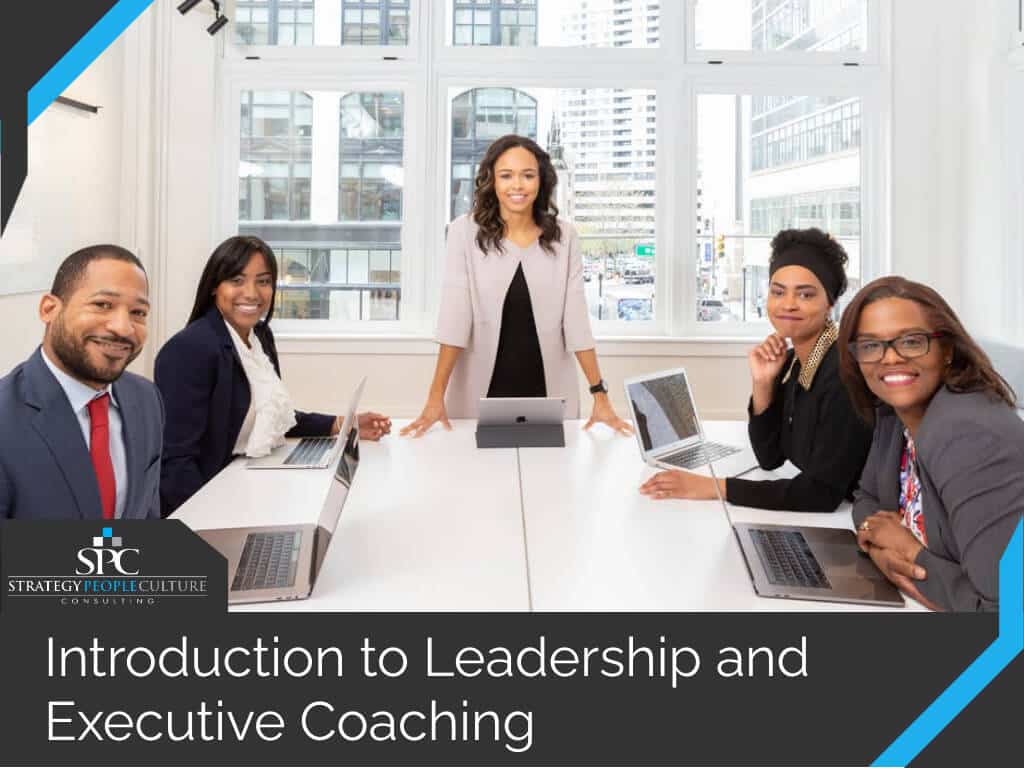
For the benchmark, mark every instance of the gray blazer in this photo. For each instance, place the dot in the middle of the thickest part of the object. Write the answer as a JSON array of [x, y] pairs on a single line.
[[46, 472], [472, 298], [970, 455]]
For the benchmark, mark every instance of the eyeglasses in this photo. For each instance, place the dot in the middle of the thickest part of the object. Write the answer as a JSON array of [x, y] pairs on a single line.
[[908, 347]]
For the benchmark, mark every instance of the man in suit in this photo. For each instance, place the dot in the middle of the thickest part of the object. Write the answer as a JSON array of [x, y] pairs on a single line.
[[81, 438]]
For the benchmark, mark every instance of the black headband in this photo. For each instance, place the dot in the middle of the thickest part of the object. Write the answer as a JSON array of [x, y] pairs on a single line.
[[809, 257]]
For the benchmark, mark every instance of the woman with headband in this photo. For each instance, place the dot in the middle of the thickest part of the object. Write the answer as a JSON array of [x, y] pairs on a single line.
[[799, 410]]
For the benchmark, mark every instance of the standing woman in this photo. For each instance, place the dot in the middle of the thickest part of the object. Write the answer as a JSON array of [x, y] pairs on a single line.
[[220, 378], [943, 487], [799, 410], [513, 311]]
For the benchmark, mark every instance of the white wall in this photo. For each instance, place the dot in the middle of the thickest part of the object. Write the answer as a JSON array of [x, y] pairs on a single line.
[[954, 149], [71, 196], [929, 52], [993, 281]]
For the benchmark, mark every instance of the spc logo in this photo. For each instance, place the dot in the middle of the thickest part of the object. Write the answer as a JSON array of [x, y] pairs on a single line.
[[106, 551]]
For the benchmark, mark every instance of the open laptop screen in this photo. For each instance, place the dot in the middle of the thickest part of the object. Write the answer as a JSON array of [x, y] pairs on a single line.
[[664, 411]]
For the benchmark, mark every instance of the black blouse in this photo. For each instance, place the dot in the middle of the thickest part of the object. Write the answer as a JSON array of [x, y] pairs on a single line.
[[817, 430], [518, 367]]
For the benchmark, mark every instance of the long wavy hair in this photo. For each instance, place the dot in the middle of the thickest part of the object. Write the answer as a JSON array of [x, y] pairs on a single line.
[[970, 369], [486, 210], [227, 261]]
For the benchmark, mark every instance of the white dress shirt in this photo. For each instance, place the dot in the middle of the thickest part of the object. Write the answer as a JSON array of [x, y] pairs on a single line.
[[271, 413], [79, 396]]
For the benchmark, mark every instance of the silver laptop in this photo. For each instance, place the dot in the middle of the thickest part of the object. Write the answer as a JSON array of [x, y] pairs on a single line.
[[307, 453], [521, 410], [804, 563], [669, 431], [268, 563]]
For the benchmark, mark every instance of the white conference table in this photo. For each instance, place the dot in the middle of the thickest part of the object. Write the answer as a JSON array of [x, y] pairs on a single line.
[[435, 524], [594, 543], [430, 525]]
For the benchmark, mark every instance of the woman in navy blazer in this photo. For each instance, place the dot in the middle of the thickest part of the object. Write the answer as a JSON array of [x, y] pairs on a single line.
[[205, 388]]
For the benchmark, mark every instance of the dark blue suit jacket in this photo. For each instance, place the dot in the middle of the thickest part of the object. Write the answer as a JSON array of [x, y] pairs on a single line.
[[45, 468], [207, 395]]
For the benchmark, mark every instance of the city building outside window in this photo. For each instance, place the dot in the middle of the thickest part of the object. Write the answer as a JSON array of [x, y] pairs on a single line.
[[334, 217]]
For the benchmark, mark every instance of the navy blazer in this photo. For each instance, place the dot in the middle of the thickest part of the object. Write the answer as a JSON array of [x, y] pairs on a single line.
[[207, 396], [970, 460], [46, 471]]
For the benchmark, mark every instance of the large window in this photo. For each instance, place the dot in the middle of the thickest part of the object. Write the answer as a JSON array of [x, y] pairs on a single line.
[[770, 163], [321, 176], [684, 136]]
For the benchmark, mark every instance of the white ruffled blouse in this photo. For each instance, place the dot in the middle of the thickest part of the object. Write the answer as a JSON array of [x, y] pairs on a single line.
[[271, 413]]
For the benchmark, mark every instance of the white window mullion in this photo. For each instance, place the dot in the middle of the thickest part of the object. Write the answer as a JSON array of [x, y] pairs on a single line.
[[683, 270]]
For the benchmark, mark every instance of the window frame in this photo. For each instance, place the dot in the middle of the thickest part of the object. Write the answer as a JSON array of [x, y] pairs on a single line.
[[325, 78], [874, 221], [426, 70]]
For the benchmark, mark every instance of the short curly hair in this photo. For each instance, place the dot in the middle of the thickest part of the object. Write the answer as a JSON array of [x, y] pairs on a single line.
[[832, 254]]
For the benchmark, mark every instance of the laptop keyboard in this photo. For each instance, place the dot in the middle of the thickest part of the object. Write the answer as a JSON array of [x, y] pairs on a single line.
[[788, 560], [268, 561], [310, 450], [698, 455]]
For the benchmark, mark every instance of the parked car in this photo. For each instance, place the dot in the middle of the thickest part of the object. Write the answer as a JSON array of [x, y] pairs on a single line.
[[711, 310], [637, 275]]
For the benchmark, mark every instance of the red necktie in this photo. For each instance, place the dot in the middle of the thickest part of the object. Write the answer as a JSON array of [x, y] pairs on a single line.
[[99, 447]]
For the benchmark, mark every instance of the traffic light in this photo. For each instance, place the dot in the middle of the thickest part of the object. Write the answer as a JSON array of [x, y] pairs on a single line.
[[720, 246]]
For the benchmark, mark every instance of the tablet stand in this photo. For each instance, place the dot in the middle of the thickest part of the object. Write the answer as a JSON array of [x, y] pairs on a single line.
[[520, 436]]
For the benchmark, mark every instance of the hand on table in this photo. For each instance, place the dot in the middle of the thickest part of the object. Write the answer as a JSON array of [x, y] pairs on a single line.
[[432, 413], [603, 413], [373, 426], [677, 484]]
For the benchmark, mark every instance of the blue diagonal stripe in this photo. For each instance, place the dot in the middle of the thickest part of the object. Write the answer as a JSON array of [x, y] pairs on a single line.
[[982, 670], [74, 62]]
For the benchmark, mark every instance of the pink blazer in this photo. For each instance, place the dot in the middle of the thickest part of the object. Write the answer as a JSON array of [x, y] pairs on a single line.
[[472, 299]]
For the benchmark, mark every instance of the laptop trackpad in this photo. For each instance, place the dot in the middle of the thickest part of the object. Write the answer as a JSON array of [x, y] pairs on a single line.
[[850, 572]]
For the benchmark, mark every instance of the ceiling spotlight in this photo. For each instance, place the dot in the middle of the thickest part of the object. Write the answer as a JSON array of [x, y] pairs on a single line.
[[217, 25], [188, 5]]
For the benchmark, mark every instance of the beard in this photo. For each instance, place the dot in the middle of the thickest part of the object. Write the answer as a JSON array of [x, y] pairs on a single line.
[[75, 357]]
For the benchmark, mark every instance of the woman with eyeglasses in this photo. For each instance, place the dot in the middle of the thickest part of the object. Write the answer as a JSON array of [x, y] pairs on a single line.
[[799, 410], [943, 487]]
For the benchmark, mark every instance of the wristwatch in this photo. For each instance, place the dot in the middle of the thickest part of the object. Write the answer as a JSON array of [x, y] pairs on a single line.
[[599, 387]]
